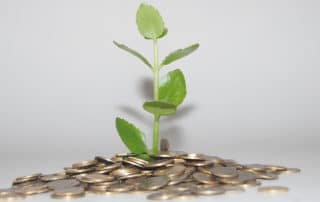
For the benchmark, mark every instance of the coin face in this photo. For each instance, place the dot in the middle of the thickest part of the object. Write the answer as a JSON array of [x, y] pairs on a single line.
[[267, 176], [34, 189], [273, 189], [233, 189], [84, 164], [96, 178], [27, 178], [199, 163], [159, 163], [162, 195], [121, 172], [154, 183], [194, 157], [11, 196], [224, 172], [120, 188], [61, 184], [70, 192], [210, 190], [205, 178], [53, 177]]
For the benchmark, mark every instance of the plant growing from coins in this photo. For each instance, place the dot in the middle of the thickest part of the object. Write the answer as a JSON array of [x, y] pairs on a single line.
[[168, 92]]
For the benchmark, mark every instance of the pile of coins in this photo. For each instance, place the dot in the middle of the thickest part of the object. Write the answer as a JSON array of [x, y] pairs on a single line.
[[169, 175]]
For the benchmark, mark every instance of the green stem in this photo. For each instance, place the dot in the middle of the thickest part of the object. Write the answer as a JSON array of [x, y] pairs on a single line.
[[156, 123]]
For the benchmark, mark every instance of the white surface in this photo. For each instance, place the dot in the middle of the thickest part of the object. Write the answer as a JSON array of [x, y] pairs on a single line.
[[253, 86]]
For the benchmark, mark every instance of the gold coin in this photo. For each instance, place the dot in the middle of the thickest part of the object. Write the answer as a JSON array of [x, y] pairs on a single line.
[[224, 172], [103, 160], [171, 171], [245, 176], [131, 176], [291, 171], [210, 190], [214, 159], [74, 171], [256, 167], [162, 195], [60, 184], [273, 189], [275, 168], [194, 157], [27, 178], [233, 189], [205, 178], [158, 163], [104, 183], [53, 177], [231, 181], [12, 196], [84, 164], [199, 163], [204, 170], [154, 183], [120, 188], [70, 192], [169, 154], [136, 181], [182, 187], [96, 178], [267, 176], [121, 172], [6, 191], [35, 189], [251, 184], [137, 160], [185, 195]]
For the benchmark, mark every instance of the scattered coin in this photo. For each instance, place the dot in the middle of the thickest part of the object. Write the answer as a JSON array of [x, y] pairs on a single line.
[[154, 183], [70, 192], [175, 175], [11, 196], [273, 189]]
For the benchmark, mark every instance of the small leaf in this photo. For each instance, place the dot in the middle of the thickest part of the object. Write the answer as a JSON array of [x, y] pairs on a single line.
[[149, 22], [131, 136], [173, 88], [180, 53], [159, 108], [133, 52], [165, 32]]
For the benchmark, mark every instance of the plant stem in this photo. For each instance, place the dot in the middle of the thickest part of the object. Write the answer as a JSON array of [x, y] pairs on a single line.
[[156, 123]]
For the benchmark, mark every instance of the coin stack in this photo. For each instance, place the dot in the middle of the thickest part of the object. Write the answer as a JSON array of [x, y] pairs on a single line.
[[169, 175]]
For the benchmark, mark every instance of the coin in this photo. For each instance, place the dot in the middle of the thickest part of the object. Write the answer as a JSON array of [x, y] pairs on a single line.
[[120, 188], [131, 176], [154, 183], [103, 160], [199, 163], [251, 184], [171, 171], [70, 192], [255, 167], [27, 178], [224, 172], [194, 157], [11, 196], [35, 189], [291, 171], [233, 189], [84, 164], [96, 178], [136, 181], [273, 189], [169, 154], [210, 190], [6, 191], [74, 171], [205, 178], [61, 184], [185, 195], [158, 163], [267, 176], [161, 195], [275, 168], [121, 172], [53, 177], [182, 187]]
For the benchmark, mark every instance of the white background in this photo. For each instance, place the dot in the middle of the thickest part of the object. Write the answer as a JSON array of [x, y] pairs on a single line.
[[253, 86]]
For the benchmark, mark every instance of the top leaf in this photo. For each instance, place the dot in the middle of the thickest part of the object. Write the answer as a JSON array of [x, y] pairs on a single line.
[[149, 22], [178, 54], [131, 136]]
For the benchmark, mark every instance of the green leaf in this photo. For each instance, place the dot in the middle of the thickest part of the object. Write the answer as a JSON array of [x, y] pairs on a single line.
[[133, 52], [165, 32], [149, 22], [131, 136], [178, 54], [160, 108], [173, 88]]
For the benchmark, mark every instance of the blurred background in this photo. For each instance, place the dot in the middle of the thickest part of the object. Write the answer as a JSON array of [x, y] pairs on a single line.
[[253, 86]]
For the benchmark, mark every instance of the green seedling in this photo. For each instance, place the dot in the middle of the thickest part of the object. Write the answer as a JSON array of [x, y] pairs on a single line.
[[168, 92]]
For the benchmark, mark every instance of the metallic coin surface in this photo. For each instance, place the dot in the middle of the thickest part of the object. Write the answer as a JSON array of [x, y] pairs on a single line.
[[11, 196], [267, 176], [70, 192], [6, 191], [162, 195], [61, 184], [224, 172], [233, 189], [96, 178], [210, 190], [291, 171], [84, 164], [273, 189], [27, 178], [171, 171], [53, 177], [194, 157], [35, 189], [75, 171], [205, 178], [154, 183], [121, 172], [120, 188], [170, 154], [158, 163]]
